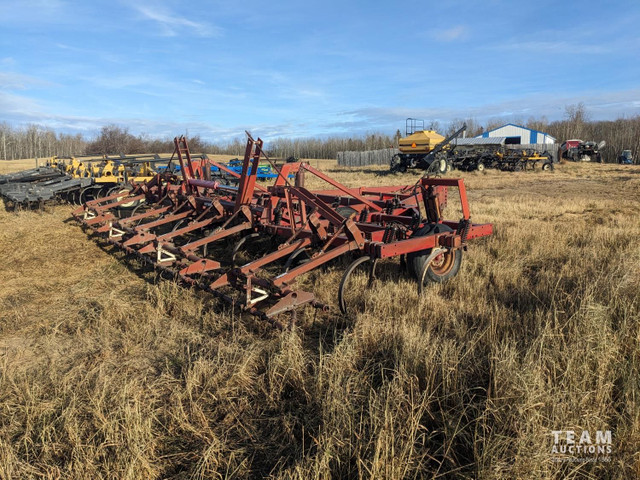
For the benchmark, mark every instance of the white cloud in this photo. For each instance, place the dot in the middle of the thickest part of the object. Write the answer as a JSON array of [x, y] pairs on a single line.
[[13, 105], [458, 32], [172, 24], [560, 47], [602, 105], [17, 81], [33, 13]]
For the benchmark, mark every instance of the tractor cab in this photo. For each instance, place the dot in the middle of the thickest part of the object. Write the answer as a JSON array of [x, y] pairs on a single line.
[[625, 158]]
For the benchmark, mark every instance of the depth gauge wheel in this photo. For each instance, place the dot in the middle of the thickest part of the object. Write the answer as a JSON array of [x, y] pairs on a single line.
[[449, 166], [440, 268], [75, 196], [136, 210], [125, 193], [438, 166], [296, 259]]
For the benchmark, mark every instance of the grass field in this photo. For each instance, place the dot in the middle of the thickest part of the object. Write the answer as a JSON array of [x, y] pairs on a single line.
[[107, 373]]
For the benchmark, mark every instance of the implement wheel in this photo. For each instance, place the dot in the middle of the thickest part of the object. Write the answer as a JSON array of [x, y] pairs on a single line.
[[89, 193], [441, 267], [397, 164], [394, 163], [125, 193], [356, 280]]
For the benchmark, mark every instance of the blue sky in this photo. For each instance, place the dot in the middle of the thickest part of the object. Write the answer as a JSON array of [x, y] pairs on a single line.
[[310, 68]]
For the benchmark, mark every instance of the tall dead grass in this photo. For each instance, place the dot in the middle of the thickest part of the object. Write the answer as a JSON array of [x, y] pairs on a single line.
[[106, 373]]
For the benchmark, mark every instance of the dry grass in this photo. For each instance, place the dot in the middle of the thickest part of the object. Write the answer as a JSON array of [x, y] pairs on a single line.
[[105, 373]]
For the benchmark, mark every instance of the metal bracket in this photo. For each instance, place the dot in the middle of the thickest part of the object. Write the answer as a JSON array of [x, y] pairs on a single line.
[[252, 301], [163, 255], [115, 232]]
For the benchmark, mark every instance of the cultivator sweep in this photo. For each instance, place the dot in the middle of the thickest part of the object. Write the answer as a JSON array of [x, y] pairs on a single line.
[[248, 244]]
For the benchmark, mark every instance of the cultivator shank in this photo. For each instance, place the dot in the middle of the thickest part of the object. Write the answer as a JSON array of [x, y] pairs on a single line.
[[248, 244]]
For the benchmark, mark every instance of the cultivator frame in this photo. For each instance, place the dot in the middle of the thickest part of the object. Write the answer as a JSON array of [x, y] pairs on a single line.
[[184, 225]]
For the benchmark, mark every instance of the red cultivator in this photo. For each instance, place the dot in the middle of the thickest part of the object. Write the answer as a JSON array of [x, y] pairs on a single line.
[[201, 231]]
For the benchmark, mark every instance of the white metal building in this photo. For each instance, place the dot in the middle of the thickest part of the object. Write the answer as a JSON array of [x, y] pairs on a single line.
[[516, 134]]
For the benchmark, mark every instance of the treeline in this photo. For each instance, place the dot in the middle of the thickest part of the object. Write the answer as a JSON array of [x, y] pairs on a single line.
[[37, 141], [327, 147], [114, 139]]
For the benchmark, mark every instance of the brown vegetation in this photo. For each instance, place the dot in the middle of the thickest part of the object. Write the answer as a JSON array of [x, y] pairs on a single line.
[[106, 373]]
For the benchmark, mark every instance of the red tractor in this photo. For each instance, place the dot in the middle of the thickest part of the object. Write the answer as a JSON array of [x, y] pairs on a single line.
[[580, 151]]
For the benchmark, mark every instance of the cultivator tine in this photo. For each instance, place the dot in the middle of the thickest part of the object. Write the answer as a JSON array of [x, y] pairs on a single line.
[[162, 240], [229, 277], [215, 236], [136, 218]]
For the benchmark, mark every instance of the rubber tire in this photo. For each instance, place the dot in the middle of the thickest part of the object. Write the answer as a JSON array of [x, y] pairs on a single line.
[[415, 260], [480, 167], [547, 166], [395, 164], [125, 191], [434, 277], [437, 167]]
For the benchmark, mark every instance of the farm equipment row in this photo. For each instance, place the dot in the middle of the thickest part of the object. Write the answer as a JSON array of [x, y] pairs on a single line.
[[430, 151], [499, 158], [249, 244], [70, 180]]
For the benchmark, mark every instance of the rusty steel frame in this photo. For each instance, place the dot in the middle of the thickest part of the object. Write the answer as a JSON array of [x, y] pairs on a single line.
[[298, 219]]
